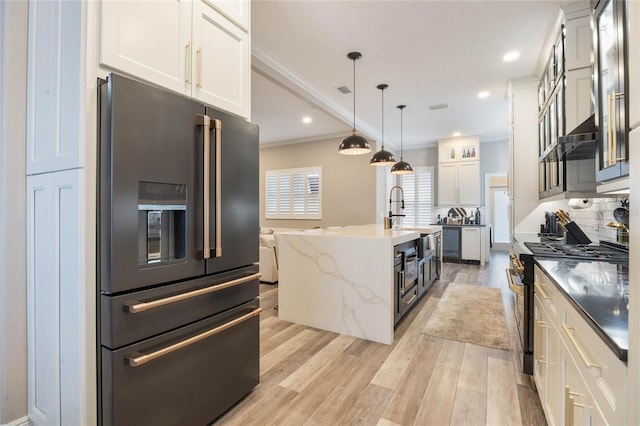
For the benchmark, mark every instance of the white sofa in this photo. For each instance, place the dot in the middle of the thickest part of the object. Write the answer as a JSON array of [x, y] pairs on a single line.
[[268, 259]]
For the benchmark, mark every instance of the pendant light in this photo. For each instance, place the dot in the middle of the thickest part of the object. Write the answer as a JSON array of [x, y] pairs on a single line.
[[401, 167], [354, 144], [382, 157]]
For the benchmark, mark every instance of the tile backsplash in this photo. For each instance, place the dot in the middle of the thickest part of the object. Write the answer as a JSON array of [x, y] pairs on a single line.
[[593, 220]]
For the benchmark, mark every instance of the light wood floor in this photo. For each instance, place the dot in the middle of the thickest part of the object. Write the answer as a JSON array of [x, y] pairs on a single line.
[[314, 377]]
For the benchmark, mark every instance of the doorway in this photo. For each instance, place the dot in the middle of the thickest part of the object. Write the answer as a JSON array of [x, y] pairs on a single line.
[[497, 199]]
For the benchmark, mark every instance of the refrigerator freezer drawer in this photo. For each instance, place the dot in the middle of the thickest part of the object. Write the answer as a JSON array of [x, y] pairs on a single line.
[[132, 317], [188, 376]]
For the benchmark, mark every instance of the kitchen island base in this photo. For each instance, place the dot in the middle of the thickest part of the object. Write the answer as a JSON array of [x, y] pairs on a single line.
[[341, 280]]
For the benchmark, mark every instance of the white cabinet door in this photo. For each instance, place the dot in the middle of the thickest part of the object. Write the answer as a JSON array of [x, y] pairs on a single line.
[[578, 43], [221, 60], [448, 184], [54, 99], [578, 405], [236, 10], [577, 101], [54, 293], [469, 183], [471, 243], [150, 40]]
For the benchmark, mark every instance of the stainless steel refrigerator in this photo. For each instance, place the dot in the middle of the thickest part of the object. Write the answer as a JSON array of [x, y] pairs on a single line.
[[177, 296]]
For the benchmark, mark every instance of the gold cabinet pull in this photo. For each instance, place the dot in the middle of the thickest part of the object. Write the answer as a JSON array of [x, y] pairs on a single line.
[[610, 128], [568, 406], [539, 289], [137, 359], [137, 307], [188, 61], [517, 289], [581, 353], [199, 60], [615, 138]]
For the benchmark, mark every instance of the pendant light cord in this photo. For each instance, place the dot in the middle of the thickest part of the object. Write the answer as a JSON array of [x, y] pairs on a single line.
[[382, 118], [401, 151], [354, 95]]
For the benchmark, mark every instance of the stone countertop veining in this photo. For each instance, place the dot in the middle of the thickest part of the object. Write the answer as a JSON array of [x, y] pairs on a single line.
[[395, 235], [600, 291]]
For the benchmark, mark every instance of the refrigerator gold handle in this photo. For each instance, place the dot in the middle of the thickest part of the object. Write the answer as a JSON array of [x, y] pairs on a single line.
[[218, 127], [136, 307], [137, 359], [205, 121]]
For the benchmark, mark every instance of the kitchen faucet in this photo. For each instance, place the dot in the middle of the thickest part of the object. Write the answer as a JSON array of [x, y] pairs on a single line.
[[388, 221]]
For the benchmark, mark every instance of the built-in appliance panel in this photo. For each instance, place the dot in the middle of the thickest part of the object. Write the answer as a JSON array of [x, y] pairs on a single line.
[[132, 317], [220, 368], [239, 186], [153, 234]]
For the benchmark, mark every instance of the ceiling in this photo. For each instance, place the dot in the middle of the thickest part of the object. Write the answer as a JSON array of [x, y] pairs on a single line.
[[428, 52]]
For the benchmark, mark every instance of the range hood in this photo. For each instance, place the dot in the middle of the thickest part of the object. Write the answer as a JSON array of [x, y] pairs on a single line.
[[579, 144]]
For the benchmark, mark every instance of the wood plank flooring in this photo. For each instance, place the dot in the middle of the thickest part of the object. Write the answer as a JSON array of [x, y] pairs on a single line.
[[313, 377]]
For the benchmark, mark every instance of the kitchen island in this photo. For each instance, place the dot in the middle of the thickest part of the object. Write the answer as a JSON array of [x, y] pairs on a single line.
[[341, 279]]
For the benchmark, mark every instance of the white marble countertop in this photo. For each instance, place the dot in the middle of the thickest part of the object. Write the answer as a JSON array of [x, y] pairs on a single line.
[[396, 235]]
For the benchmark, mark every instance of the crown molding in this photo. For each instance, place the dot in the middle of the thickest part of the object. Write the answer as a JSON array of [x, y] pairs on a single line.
[[269, 67]]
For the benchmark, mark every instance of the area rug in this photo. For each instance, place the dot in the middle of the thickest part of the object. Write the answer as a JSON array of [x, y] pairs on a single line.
[[470, 314]]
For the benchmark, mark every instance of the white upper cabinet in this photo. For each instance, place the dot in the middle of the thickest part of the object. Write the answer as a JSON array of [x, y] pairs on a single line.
[[198, 48], [236, 10], [54, 93], [221, 61], [459, 172], [148, 40], [578, 38]]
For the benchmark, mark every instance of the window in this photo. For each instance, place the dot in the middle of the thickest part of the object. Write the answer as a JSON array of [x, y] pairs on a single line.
[[293, 193], [418, 197]]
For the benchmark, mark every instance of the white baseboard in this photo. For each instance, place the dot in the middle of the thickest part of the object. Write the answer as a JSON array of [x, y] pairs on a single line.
[[24, 421]]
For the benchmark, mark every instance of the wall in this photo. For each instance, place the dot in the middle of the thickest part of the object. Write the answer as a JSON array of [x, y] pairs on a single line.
[[494, 158], [593, 220], [13, 332], [348, 183]]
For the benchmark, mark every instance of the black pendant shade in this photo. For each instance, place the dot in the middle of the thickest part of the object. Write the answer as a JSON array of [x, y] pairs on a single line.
[[401, 167], [382, 157], [354, 144]]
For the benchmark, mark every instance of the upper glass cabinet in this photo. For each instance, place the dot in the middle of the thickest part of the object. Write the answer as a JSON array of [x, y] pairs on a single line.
[[610, 83]]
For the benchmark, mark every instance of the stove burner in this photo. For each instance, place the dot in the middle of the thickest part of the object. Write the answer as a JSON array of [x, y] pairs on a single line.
[[579, 251]]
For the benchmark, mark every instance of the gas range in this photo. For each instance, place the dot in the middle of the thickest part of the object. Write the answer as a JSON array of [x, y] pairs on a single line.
[[605, 251]]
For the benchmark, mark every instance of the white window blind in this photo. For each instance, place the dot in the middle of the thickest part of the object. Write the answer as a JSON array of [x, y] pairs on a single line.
[[418, 197], [293, 193]]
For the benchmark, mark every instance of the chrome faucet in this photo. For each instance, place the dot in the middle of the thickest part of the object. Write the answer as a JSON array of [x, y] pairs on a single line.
[[388, 221]]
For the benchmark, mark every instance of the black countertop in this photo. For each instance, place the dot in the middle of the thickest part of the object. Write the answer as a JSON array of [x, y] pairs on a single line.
[[600, 293]]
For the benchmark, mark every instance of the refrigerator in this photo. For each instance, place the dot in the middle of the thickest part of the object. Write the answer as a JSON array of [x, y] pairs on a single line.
[[177, 280]]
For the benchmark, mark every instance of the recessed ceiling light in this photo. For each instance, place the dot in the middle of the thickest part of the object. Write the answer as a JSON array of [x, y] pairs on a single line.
[[456, 134], [306, 120], [511, 56], [483, 94]]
